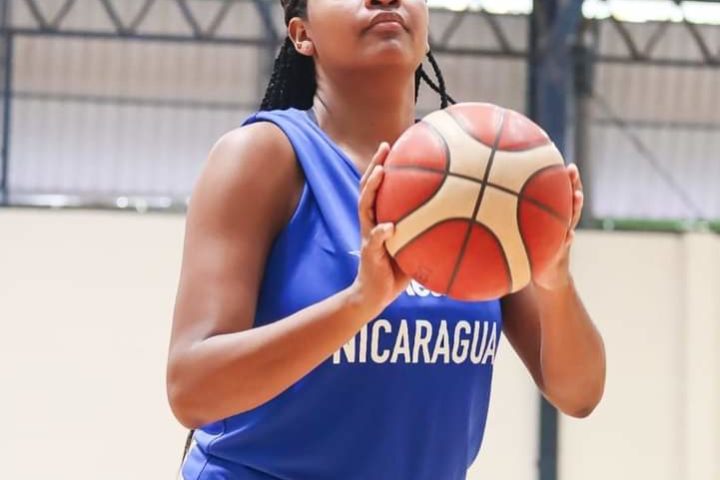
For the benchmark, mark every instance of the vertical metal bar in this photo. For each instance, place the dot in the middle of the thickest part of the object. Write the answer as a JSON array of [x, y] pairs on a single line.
[[548, 422], [584, 56], [7, 39], [549, 439], [553, 23]]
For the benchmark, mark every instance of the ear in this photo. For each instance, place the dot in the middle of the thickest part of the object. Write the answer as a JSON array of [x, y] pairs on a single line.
[[298, 34]]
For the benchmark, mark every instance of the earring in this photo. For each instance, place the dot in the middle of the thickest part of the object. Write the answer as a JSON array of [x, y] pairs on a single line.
[[305, 48]]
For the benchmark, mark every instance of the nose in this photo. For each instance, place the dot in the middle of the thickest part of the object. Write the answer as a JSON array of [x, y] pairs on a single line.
[[382, 3]]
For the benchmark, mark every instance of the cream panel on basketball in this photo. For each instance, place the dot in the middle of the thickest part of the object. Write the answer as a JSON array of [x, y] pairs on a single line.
[[512, 170], [456, 198], [467, 156], [498, 212]]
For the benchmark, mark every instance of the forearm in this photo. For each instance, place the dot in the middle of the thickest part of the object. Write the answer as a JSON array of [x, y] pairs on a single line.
[[231, 373], [572, 354]]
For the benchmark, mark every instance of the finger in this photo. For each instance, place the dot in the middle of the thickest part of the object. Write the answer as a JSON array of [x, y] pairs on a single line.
[[366, 204], [378, 159], [570, 238], [578, 202], [575, 179], [378, 236], [382, 153]]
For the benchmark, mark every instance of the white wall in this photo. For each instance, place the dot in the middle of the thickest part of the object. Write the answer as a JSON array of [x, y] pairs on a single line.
[[656, 299], [86, 305], [86, 302]]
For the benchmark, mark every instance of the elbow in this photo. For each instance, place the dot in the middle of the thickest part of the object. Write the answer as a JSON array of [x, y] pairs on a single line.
[[581, 411], [579, 402], [182, 413], [580, 396], [573, 409], [582, 407], [181, 401], [178, 407]]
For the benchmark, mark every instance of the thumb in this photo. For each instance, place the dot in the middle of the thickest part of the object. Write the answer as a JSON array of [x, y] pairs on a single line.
[[379, 235]]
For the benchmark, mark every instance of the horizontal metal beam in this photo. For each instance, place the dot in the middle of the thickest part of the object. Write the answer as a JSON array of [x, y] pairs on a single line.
[[657, 62], [153, 37], [636, 54], [262, 42]]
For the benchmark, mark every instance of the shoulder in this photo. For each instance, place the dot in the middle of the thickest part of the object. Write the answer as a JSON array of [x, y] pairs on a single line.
[[257, 146], [250, 169]]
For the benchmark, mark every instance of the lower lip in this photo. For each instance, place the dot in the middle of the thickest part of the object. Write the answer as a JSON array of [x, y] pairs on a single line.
[[388, 27]]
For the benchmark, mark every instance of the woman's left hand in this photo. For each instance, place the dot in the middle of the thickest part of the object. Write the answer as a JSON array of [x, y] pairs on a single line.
[[557, 274]]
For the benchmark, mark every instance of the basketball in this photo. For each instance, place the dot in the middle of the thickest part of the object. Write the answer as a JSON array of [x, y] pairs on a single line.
[[480, 199]]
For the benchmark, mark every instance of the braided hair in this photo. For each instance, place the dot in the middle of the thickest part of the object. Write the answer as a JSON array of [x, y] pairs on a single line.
[[293, 84]]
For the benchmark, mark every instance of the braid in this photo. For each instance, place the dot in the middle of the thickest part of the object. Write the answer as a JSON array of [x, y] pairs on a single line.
[[418, 77], [188, 442], [292, 83], [440, 88]]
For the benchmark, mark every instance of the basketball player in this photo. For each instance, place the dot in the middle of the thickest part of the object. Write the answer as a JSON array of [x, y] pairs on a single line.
[[299, 350]]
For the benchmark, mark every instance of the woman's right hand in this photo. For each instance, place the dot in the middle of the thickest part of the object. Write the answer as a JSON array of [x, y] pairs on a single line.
[[379, 280]]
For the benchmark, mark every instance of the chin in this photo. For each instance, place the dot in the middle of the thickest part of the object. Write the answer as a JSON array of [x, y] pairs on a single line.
[[389, 55]]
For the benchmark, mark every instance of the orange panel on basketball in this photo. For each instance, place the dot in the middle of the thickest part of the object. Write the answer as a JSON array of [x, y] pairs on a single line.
[[479, 120], [419, 146], [430, 258], [403, 191], [551, 187], [520, 133], [483, 272], [543, 234]]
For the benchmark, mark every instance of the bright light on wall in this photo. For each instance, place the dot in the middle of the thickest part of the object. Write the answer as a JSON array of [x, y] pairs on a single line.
[[500, 7], [633, 10], [623, 10], [702, 12]]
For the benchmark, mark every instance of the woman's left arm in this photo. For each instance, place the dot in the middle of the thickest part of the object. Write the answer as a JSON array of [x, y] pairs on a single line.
[[553, 334]]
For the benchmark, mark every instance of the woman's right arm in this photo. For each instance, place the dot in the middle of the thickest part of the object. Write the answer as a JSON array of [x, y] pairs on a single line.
[[218, 365]]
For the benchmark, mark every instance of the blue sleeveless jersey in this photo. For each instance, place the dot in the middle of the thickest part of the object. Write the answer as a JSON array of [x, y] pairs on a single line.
[[405, 399]]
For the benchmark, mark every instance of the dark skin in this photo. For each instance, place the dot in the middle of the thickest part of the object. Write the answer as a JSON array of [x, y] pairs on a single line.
[[365, 97]]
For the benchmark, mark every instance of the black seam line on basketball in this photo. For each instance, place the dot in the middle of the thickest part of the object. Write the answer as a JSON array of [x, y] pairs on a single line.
[[520, 195], [457, 219], [506, 263], [465, 128], [446, 147], [478, 201], [552, 212], [523, 241], [428, 169], [431, 227], [517, 215], [434, 225]]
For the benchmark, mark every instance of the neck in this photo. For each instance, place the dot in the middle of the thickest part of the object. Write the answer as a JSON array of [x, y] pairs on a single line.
[[360, 111]]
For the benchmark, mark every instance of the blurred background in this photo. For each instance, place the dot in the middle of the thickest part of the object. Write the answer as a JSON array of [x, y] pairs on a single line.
[[109, 108]]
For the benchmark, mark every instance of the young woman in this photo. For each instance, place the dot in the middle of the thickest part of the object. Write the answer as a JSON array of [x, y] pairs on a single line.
[[299, 350]]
